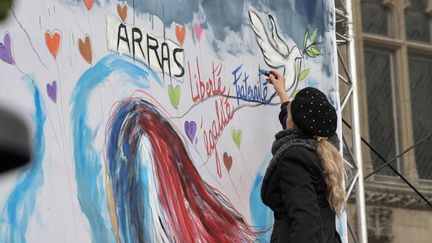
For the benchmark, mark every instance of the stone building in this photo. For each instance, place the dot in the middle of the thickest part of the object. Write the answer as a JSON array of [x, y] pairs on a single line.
[[394, 65]]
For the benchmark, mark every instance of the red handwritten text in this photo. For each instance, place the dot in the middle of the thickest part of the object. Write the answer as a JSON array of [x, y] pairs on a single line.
[[212, 87], [224, 113]]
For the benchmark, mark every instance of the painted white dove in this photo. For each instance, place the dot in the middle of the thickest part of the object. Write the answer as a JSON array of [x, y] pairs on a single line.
[[276, 52]]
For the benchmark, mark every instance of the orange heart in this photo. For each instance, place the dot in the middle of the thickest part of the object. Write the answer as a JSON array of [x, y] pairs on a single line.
[[227, 161], [53, 42], [180, 33], [88, 3], [122, 11], [85, 49]]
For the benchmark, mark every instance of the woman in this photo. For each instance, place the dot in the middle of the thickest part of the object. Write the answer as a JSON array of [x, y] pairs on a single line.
[[303, 182]]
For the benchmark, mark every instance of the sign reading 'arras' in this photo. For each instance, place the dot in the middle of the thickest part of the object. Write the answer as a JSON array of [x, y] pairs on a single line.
[[159, 53]]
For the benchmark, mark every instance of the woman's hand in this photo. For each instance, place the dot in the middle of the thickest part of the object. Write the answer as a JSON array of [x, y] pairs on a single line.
[[278, 81]]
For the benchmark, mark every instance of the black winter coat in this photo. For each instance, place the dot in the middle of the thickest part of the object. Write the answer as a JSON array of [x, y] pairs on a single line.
[[295, 189]]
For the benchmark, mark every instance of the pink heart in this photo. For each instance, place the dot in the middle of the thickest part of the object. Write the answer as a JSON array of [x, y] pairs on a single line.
[[52, 91], [6, 50], [198, 31]]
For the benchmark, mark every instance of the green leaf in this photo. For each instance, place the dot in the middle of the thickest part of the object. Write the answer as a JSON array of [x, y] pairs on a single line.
[[297, 70], [315, 51], [305, 38], [303, 74], [310, 53], [313, 36]]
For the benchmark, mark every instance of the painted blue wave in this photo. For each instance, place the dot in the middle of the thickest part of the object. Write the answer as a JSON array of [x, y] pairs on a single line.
[[88, 162], [262, 216], [21, 201]]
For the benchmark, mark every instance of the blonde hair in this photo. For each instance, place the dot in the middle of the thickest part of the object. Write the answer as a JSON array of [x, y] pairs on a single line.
[[333, 173]]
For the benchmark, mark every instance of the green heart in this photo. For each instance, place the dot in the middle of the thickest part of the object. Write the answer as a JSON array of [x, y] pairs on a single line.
[[237, 136], [174, 95]]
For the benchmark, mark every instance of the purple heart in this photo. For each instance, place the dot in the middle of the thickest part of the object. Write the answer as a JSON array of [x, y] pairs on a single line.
[[52, 91], [190, 128], [5, 50]]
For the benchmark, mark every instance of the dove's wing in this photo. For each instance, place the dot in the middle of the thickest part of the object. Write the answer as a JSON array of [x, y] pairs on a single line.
[[281, 46], [271, 56], [291, 75]]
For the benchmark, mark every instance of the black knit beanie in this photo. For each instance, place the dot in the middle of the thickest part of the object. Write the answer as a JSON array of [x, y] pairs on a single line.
[[313, 113]]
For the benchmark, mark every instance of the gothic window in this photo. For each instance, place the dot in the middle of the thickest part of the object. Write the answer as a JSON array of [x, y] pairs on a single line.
[[376, 17], [420, 73], [417, 22], [380, 106]]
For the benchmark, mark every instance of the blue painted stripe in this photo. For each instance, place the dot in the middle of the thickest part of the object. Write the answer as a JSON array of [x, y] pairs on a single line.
[[262, 216], [21, 201], [88, 162]]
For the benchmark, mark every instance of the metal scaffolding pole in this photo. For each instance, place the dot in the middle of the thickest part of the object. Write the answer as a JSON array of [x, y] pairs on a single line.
[[348, 75]]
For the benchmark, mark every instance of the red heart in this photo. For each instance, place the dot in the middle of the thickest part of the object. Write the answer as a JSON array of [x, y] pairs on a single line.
[[227, 161], [53, 41], [85, 49], [180, 33], [122, 11], [88, 4]]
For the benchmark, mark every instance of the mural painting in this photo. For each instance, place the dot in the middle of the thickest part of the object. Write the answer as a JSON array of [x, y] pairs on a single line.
[[151, 120]]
